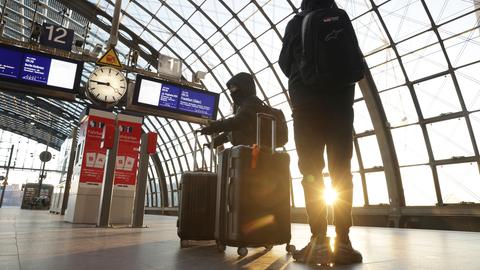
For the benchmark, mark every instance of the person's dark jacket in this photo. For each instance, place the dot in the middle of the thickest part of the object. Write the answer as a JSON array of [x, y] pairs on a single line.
[[291, 51], [241, 128]]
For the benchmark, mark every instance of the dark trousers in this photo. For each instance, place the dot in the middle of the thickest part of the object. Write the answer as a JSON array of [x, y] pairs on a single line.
[[326, 124]]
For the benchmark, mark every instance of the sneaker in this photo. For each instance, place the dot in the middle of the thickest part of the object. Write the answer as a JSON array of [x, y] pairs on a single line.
[[345, 254], [314, 253]]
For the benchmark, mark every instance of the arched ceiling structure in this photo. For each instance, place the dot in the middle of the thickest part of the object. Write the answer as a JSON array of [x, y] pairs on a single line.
[[417, 120]]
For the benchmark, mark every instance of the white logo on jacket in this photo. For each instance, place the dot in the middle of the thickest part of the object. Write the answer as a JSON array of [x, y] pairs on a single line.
[[333, 35]]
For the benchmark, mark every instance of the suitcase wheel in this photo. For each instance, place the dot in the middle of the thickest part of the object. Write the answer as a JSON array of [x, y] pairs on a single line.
[[290, 249], [242, 251], [183, 243], [268, 247], [221, 247]]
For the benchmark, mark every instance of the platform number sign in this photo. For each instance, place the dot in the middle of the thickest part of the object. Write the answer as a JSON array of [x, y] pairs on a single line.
[[169, 66], [57, 37]]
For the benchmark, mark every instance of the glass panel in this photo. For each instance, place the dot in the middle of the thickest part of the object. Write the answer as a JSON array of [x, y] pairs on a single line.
[[465, 48], [437, 96], [370, 152], [399, 107], [354, 8], [215, 7], [254, 57], [410, 145], [470, 85], [294, 170], [276, 10], [236, 33], [358, 200], [404, 19], [298, 194], [475, 119], [450, 139], [377, 188], [418, 186], [362, 121], [370, 33], [460, 183], [269, 84], [444, 10], [271, 44], [388, 75], [460, 25], [425, 62], [254, 20]]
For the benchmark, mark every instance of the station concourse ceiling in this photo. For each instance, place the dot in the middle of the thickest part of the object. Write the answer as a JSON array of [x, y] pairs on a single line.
[[424, 58]]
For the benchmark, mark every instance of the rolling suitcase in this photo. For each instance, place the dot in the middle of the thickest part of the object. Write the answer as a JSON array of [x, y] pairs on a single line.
[[253, 196], [196, 217]]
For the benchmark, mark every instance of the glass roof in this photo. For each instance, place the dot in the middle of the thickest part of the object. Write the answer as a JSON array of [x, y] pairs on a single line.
[[424, 58]]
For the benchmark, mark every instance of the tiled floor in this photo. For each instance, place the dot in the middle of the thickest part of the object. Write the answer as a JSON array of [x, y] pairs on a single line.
[[39, 240]]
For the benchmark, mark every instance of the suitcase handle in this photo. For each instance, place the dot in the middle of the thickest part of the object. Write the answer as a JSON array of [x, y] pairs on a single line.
[[195, 150], [261, 116]]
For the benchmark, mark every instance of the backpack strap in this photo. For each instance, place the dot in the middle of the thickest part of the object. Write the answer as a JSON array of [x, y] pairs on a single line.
[[306, 20]]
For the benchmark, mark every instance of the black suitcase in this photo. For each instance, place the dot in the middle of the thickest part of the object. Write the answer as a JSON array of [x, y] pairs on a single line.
[[196, 217], [253, 197]]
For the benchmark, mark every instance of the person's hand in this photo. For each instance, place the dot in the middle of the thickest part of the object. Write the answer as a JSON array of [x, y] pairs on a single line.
[[206, 130], [217, 141]]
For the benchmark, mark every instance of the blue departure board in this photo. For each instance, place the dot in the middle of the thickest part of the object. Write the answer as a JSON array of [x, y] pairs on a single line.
[[172, 97], [30, 67], [10, 62], [36, 68], [197, 103], [169, 96]]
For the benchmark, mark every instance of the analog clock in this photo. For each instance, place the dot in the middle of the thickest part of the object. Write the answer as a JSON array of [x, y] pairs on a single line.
[[107, 85]]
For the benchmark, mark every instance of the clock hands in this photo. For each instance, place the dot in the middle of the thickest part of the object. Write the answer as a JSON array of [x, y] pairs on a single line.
[[106, 84], [101, 83]]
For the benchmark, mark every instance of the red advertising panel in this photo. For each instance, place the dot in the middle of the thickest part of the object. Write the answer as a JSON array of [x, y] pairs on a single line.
[[152, 143], [94, 156], [128, 151]]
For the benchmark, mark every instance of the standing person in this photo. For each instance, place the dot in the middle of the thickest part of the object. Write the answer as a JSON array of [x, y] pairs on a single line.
[[323, 119], [241, 128]]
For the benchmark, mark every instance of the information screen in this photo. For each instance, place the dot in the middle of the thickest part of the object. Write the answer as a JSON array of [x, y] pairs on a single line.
[[25, 66], [177, 98]]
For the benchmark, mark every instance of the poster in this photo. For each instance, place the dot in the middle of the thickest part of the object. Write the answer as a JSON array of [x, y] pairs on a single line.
[[94, 157], [128, 153]]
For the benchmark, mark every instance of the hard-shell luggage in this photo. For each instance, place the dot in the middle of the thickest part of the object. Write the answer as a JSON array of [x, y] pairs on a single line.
[[196, 217], [253, 196]]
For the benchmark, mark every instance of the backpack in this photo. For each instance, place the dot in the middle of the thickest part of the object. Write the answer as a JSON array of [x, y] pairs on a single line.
[[281, 137], [330, 51]]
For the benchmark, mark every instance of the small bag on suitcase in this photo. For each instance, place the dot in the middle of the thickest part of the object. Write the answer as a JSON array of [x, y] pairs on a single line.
[[196, 217], [253, 196]]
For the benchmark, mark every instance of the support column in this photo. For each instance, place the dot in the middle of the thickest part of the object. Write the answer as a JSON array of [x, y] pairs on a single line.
[[71, 160], [142, 174], [6, 175], [107, 187], [115, 24], [386, 145]]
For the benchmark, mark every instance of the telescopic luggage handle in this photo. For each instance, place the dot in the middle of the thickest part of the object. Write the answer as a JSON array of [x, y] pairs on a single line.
[[195, 150], [272, 118]]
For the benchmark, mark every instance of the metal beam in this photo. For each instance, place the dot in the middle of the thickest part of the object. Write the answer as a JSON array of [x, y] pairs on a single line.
[[71, 160], [162, 180], [91, 13], [108, 178], [386, 145], [141, 187]]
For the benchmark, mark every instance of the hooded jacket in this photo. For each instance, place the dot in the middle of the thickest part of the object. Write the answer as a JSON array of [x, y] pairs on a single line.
[[241, 128], [292, 49]]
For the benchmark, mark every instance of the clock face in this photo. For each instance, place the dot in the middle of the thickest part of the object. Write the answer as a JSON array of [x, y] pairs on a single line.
[[107, 84]]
